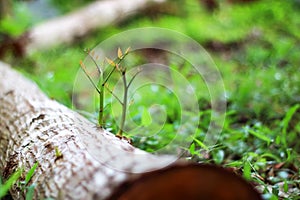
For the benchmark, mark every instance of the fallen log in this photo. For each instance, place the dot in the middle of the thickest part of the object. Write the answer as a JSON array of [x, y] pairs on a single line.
[[68, 28], [33, 128]]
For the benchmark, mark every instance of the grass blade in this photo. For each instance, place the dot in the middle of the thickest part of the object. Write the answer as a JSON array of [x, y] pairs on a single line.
[[30, 173], [260, 136], [285, 122], [7, 185]]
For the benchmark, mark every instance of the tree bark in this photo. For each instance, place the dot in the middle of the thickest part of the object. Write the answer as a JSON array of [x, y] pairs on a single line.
[[33, 128]]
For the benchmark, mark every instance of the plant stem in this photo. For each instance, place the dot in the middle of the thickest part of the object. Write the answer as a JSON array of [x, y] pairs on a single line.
[[101, 107], [124, 105], [110, 73], [90, 79], [101, 93], [111, 92]]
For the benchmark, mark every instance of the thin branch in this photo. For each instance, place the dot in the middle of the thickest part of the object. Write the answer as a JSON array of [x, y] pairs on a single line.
[[98, 68], [87, 74], [110, 73], [111, 92], [108, 76], [139, 71], [101, 108], [124, 107]]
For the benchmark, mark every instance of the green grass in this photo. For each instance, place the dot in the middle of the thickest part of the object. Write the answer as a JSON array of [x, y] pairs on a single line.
[[257, 53], [4, 187], [15, 178]]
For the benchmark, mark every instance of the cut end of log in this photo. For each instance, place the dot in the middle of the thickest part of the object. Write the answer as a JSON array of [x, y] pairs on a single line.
[[192, 181]]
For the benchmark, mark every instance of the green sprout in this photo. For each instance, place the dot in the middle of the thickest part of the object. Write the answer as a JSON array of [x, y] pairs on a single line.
[[103, 83], [58, 153]]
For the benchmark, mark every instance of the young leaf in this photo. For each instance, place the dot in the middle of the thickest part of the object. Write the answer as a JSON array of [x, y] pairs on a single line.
[[127, 50], [146, 118], [58, 153], [120, 54], [111, 62]]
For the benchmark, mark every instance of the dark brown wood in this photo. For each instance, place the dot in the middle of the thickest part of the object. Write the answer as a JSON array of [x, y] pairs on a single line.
[[193, 182]]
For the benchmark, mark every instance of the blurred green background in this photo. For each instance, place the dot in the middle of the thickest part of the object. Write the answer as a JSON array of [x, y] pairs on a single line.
[[256, 46]]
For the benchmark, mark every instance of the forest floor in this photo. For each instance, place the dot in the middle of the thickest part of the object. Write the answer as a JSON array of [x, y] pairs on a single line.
[[256, 48]]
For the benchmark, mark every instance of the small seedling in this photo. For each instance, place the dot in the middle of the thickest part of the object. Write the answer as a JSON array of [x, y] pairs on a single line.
[[58, 154], [124, 102], [103, 84]]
